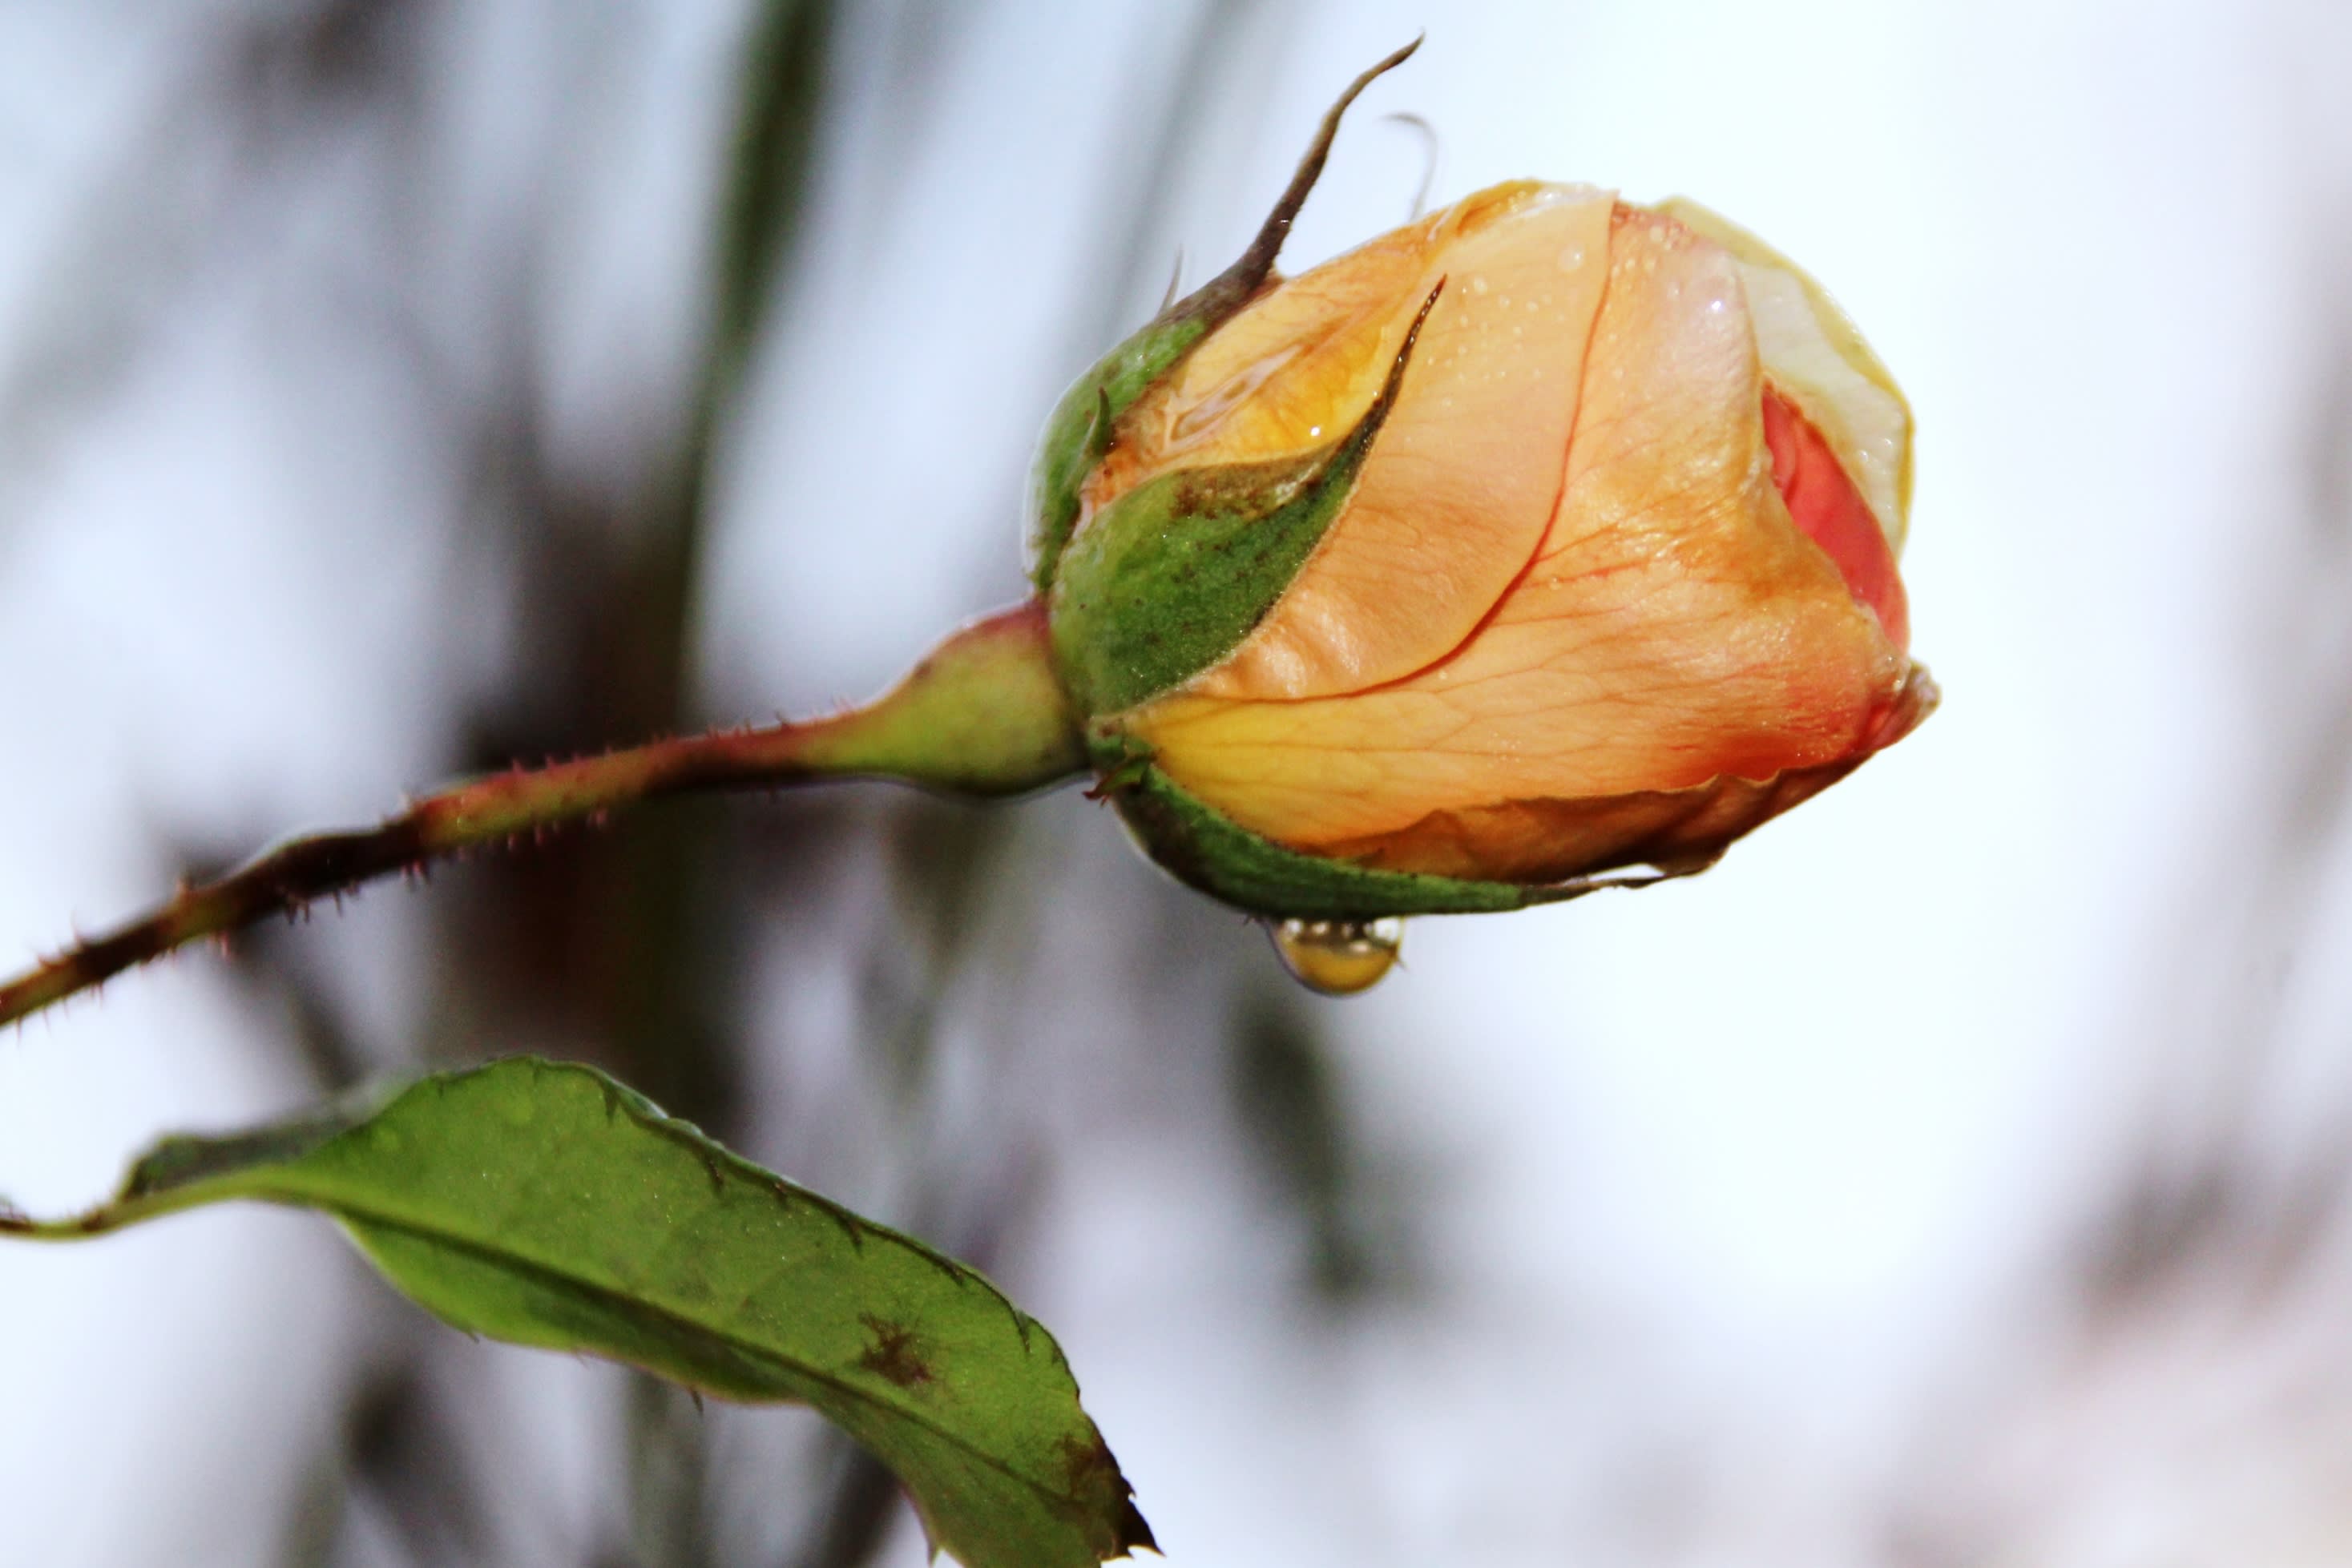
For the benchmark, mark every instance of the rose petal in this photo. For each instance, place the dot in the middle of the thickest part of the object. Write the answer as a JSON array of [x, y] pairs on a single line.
[[1828, 510], [1458, 488], [1812, 353], [1673, 629], [1544, 841]]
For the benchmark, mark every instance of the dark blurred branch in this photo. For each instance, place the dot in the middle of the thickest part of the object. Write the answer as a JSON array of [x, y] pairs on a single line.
[[854, 1517], [2219, 1191], [672, 1034], [1287, 1098], [775, 129]]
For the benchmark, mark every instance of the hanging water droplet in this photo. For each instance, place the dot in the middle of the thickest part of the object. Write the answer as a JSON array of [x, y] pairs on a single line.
[[1338, 958]]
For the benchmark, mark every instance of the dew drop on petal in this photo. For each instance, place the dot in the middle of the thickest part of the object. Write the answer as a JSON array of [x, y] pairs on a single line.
[[1338, 958]]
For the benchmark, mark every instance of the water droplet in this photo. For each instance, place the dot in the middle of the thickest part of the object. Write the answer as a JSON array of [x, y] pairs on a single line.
[[1571, 259], [1478, 284], [1339, 957], [1201, 422]]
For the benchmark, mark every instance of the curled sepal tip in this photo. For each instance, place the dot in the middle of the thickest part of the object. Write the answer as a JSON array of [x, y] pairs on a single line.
[[1231, 288], [1080, 426]]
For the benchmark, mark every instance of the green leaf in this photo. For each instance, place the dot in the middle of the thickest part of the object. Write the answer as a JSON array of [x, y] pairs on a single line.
[[546, 1205]]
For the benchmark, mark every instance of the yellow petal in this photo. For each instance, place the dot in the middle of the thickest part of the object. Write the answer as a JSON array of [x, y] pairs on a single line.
[[1541, 841], [1673, 629]]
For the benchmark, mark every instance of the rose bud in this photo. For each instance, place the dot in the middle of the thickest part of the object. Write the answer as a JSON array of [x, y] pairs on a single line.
[[1545, 537]]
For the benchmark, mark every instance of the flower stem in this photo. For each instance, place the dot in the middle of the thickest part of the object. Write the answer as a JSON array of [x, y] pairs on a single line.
[[982, 716]]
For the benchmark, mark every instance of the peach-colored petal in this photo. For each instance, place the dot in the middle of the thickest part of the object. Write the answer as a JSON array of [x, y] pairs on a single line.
[[1300, 362], [1673, 629], [1812, 353], [1460, 485], [1829, 510]]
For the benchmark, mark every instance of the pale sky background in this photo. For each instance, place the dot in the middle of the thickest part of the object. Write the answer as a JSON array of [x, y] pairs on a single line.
[[1762, 1211]]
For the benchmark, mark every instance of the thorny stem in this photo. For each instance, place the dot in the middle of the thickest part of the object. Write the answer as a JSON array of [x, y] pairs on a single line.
[[982, 716]]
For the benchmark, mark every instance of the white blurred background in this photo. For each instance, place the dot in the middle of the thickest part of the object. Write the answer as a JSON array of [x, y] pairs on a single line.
[[1956, 1175]]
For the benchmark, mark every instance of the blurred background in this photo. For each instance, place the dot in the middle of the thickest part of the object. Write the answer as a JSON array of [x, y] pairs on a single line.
[[1956, 1175]]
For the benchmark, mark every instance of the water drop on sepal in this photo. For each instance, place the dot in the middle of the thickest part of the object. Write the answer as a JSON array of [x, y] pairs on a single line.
[[1338, 958]]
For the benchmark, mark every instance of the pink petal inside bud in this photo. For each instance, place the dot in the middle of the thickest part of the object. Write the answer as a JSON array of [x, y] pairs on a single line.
[[1830, 512]]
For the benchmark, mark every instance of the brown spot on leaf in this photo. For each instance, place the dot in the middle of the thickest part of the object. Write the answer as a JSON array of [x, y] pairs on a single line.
[[895, 1355]]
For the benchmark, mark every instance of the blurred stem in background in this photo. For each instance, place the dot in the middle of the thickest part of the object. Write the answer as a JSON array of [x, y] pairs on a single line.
[[654, 903]]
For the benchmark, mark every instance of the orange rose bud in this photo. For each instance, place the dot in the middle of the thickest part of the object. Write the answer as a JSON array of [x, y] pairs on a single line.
[[1544, 537]]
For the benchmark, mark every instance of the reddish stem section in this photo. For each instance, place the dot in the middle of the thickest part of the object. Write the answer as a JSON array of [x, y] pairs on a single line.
[[982, 716]]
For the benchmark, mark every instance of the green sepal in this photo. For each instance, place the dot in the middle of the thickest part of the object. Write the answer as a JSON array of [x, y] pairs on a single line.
[[1204, 850], [1078, 432], [1168, 579]]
